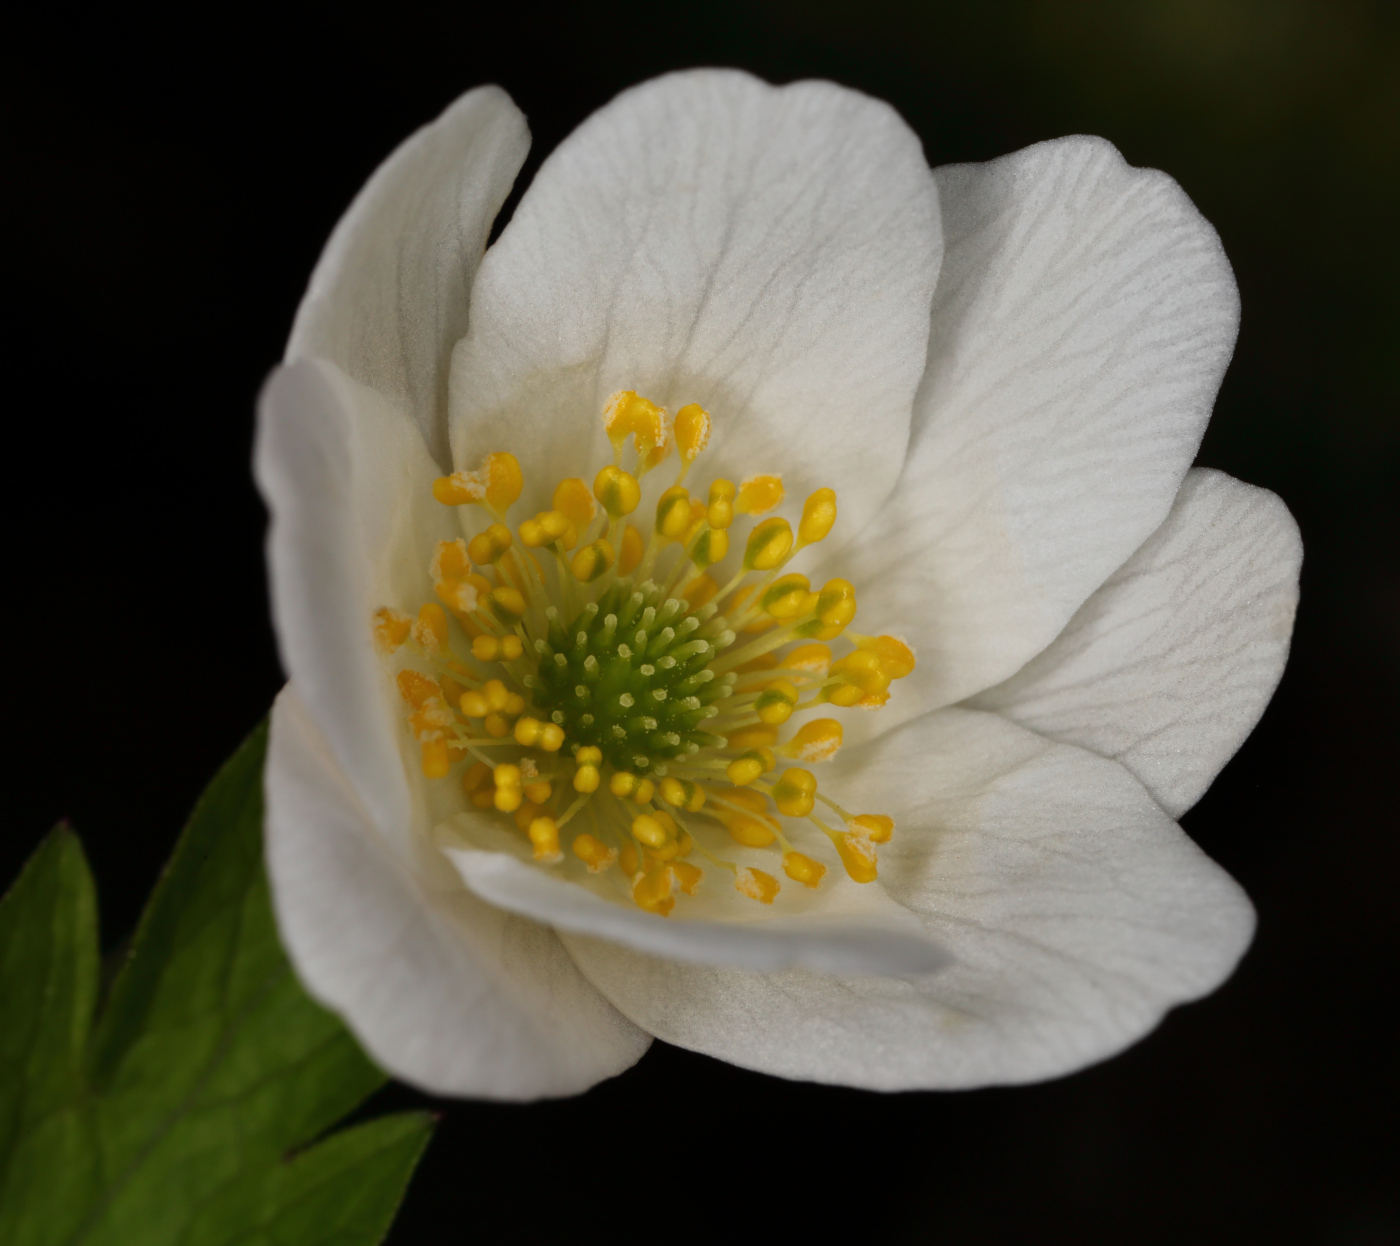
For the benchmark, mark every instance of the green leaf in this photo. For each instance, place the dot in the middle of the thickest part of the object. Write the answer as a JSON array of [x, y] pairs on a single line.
[[176, 1121], [48, 987]]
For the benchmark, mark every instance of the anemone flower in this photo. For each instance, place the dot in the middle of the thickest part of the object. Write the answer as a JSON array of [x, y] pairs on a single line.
[[583, 741]]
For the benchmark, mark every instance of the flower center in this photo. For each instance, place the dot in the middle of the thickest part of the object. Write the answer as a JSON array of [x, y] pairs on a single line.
[[615, 674]]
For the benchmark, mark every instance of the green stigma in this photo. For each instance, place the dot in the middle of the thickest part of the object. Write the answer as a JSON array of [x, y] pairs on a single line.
[[631, 676]]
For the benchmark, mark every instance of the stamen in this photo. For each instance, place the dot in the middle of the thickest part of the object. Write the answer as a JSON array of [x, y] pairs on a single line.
[[631, 693]]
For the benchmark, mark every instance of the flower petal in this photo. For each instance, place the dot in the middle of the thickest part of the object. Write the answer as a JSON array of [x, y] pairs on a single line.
[[825, 940], [388, 299], [769, 253], [1170, 664], [348, 481], [1085, 314], [443, 990], [1076, 912]]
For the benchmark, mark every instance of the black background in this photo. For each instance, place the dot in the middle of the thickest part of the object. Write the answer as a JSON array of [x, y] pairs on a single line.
[[169, 185]]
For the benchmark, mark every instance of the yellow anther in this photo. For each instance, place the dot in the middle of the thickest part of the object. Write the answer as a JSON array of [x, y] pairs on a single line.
[[503, 481], [496, 648], [747, 768], [450, 561], [858, 856], [671, 848], [623, 783], [645, 790], [861, 675], [895, 655], [515, 705], [592, 560], [815, 741], [538, 792], [632, 549], [758, 494], [430, 629], [486, 547], [668, 823], [652, 891], [546, 528], [574, 500], [552, 737], [436, 762], [630, 859], [710, 546], [682, 794], [391, 628], [673, 513], [497, 725], [720, 512], [617, 490], [461, 596], [696, 592], [758, 736], [648, 830], [768, 544], [783, 599], [811, 659], [594, 853], [818, 515], [795, 792], [544, 839], [508, 799], [506, 774], [776, 702], [748, 829], [527, 731], [687, 876], [458, 489], [692, 430], [627, 414], [474, 776], [684, 844], [588, 755], [526, 814], [876, 827], [587, 777], [507, 604], [836, 606], [757, 885], [496, 694], [495, 484], [474, 705], [802, 869], [416, 689]]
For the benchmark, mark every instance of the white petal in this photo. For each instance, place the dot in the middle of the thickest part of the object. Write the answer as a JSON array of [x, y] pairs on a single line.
[[825, 940], [1170, 664], [1085, 314], [388, 300], [1076, 912], [767, 252], [348, 481], [442, 989]]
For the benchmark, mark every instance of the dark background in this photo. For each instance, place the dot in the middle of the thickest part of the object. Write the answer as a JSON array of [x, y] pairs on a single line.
[[169, 187]]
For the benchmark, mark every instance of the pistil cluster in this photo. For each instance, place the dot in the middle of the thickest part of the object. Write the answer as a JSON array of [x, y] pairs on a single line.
[[577, 665]]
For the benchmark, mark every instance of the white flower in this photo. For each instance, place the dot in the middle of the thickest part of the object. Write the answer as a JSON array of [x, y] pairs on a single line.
[[1003, 370]]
